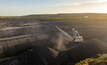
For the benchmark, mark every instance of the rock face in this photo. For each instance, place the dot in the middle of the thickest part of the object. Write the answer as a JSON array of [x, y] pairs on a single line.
[[29, 57], [11, 31], [76, 51]]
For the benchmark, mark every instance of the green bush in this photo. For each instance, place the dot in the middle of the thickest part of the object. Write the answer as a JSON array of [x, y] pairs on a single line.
[[102, 59]]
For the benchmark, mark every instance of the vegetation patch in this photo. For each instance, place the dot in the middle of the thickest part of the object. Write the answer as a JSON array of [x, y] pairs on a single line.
[[101, 60]]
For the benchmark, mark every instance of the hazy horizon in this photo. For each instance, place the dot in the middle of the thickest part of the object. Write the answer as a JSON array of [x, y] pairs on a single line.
[[27, 7]]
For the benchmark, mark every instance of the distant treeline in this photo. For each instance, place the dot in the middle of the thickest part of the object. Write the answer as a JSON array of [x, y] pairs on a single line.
[[85, 17]]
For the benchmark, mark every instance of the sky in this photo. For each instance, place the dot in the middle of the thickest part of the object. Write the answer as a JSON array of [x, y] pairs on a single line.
[[27, 7]]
